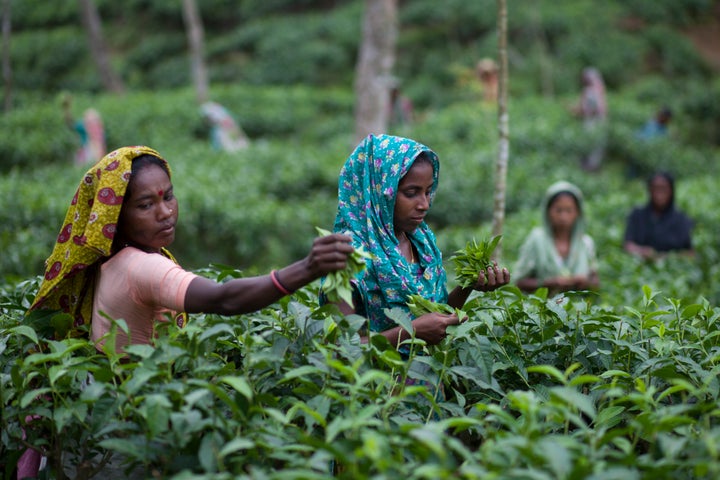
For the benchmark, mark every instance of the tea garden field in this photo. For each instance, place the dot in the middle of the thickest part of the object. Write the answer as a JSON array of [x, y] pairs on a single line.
[[618, 384]]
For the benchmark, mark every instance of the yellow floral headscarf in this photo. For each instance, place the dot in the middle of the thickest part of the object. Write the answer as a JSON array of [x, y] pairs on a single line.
[[87, 235]]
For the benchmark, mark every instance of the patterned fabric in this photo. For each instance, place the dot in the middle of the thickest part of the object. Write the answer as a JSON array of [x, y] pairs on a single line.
[[87, 235], [538, 256], [367, 188]]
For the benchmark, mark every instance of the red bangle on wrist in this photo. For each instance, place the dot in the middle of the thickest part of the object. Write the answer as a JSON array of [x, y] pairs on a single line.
[[278, 284]]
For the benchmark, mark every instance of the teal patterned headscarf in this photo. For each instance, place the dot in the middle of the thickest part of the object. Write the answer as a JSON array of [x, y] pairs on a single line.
[[367, 188]]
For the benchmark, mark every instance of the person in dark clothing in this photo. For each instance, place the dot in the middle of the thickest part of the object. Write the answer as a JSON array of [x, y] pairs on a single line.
[[657, 228]]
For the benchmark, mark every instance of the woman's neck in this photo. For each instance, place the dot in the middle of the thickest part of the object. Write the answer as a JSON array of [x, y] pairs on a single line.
[[405, 246], [126, 243]]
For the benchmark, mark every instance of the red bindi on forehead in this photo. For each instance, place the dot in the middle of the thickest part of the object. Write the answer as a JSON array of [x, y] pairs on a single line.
[[160, 193]]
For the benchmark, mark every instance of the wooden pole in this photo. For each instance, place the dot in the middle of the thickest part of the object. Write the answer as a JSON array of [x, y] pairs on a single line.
[[503, 152]]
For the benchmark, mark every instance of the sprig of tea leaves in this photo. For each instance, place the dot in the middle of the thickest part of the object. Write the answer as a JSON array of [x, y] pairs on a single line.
[[419, 305], [336, 285], [476, 257]]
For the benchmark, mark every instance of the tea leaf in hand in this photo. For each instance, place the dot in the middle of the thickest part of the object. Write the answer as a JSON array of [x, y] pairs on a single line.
[[473, 259], [337, 285], [419, 305]]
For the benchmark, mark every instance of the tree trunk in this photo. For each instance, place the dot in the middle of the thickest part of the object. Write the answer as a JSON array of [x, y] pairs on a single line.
[[503, 129], [196, 40], [98, 50], [6, 67], [543, 52], [376, 59]]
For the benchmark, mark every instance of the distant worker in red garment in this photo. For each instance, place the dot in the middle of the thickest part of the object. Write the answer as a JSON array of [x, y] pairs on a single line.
[[592, 109], [90, 132]]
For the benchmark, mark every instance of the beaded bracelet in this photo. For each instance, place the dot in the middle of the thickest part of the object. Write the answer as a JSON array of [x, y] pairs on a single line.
[[278, 284]]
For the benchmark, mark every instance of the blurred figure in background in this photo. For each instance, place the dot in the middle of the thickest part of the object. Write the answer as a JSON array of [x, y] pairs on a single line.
[[225, 133], [90, 131], [402, 111], [559, 254], [657, 126], [658, 227], [592, 110], [487, 73]]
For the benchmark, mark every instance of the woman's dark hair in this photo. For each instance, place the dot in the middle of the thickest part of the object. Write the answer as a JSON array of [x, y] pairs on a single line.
[[563, 192], [662, 174], [145, 160], [423, 156], [140, 163]]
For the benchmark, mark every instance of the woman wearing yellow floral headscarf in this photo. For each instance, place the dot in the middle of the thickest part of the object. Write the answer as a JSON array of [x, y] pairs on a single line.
[[110, 260]]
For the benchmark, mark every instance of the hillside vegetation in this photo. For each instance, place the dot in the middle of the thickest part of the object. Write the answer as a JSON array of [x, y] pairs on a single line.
[[291, 90]]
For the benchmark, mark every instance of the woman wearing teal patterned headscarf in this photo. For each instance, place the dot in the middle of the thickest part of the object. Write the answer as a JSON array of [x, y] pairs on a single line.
[[385, 189]]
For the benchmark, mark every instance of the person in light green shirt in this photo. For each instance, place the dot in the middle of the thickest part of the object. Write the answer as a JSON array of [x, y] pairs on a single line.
[[558, 254]]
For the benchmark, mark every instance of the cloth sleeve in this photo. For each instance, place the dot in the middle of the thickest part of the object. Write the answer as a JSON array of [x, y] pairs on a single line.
[[159, 281]]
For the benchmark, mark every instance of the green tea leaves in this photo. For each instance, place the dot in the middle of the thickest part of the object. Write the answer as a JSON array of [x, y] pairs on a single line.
[[420, 306], [336, 285], [473, 259]]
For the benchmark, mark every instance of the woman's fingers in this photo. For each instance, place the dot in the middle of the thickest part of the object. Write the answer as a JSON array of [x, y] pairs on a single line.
[[493, 278]]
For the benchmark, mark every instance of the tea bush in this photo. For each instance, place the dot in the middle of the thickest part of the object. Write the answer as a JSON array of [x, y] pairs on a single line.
[[259, 43], [549, 387], [34, 138], [239, 209], [58, 52]]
